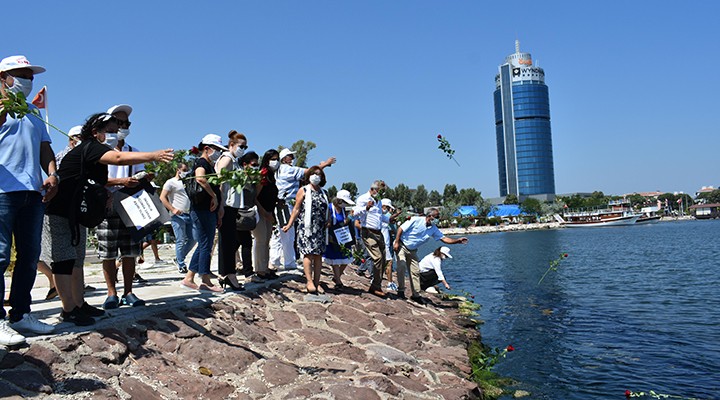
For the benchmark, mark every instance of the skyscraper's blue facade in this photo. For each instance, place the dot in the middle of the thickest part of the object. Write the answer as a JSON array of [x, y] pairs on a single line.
[[522, 127]]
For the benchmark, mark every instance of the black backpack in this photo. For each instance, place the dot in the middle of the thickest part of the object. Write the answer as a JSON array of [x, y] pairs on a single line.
[[89, 202]]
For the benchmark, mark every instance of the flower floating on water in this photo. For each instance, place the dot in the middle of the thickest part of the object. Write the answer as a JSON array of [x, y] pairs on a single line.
[[445, 147], [554, 264], [510, 348], [654, 395]]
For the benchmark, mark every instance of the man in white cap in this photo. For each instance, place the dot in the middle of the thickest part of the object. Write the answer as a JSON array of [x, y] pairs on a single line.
[[410, 236], [114, 238], [288, 182], [24, 153]]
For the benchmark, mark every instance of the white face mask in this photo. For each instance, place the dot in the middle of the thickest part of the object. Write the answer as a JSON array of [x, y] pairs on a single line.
[[123, 133], [111, 140], [215, 155], [21, 85], [315, 179], [238, 152], [274, 164]]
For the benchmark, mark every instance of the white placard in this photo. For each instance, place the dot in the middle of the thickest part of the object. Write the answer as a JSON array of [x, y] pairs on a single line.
[[343, 235], [140, 208]]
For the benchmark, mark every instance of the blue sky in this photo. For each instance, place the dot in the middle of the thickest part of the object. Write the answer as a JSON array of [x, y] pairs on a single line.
[[633, 95]]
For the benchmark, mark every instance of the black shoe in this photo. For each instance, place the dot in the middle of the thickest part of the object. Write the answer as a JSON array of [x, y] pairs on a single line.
[[92, 311], [182, 270], [77, 317], [139, 279], [225, 281], [417, 299], [51, 294], [401, 295]]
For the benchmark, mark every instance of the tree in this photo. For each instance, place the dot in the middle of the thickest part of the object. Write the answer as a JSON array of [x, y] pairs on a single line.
[[165, 171], [450, 193], [468, 196], [710, 197], [332, 192], [420, 198], [531, 206], [637, 200], [350, 187], [403, 197], [434, 198], [597, 199], [483, 206], [511, 199], [301, 149]]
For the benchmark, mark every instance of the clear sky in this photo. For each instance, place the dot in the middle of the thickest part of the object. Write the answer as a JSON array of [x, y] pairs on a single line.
[[633, 91]]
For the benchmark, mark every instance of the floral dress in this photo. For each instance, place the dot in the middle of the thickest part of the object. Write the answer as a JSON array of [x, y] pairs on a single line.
[[313, 241]]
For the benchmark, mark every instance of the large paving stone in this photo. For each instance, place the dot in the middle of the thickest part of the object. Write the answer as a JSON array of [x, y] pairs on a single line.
[[311, 311], [381, 384], [347, 329], [27, 379], [286, 320], [92, 365], [319, 337], [219, 356], [352, 316], [346, 392], [346, 350], [138, 389], [163, 341], [408, 384], [279, 373], [42, 356]]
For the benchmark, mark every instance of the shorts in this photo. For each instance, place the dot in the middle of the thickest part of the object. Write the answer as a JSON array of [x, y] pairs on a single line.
[[56, 242], [115, 240]]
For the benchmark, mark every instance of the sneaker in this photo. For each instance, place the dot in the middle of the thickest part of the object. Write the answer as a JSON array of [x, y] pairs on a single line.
[[77, 317], [8, 336], [29, 323], [183, 270], [160, 261], [432, 290], [91, 311], [139, 279]]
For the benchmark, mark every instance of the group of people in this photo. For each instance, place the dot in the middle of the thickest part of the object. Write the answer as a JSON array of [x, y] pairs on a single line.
[[285, 208]]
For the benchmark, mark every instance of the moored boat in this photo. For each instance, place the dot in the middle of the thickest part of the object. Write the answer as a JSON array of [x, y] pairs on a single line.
[[617, 213], [649, 215]]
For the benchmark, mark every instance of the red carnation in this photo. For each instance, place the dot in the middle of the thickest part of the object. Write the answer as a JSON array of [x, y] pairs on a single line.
[[362, 260], [264, 171], [439, 136], [565, 255], [472, 296], [627, 394], [510, 348]]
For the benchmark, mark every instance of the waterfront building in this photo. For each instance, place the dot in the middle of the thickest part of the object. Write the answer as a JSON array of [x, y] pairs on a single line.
[[522, 128]]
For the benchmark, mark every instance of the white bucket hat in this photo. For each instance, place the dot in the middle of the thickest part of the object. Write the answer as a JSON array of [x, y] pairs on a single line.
[[17, 62], [446, 250], [285, 152], [344, 195], [213, 140], [387, 202]]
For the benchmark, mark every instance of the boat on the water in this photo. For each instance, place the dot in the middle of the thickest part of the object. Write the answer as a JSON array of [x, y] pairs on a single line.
[[649, 215], [617, 213]]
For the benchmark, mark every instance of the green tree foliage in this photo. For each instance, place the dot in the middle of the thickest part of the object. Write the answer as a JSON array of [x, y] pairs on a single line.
[[301, 149], [434, 198], [448, 209], [420, 198], [511, 199], [710, 197], [402, 196], [332, 192], [350, 187], [638, 201], [165, 171], [450, 193], [468, 196], [673, 203], [597, 199], [531, 206]]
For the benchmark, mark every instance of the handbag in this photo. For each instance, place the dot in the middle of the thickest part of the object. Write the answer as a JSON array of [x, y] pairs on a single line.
[[247, 217], [193, 189]]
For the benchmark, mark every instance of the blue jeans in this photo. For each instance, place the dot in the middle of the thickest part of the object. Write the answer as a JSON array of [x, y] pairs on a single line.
[[21, 215], [184, 240], [204, 224]]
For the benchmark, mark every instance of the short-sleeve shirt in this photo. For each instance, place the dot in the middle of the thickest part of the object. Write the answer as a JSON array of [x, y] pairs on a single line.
[[432, 262], [69, 173], [20, 153], [415, 232], [203, 200], [125, 171], [288, 181], [176, 194]]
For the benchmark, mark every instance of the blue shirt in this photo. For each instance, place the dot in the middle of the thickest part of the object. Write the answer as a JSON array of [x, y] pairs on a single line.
[[415, 232], [20, 153], [288, 181]]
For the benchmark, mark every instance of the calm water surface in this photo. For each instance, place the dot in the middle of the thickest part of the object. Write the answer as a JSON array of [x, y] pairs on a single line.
[[634, 307]]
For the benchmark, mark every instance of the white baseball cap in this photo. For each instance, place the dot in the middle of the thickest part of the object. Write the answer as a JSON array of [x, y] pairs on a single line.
[[17, 62], [285, 152], [446, 250], [120, 108], [344, 195], [75, 131], [213, 140], [387, 202]]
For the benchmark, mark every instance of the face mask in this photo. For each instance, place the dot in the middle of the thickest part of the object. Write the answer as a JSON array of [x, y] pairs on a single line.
[[215, 155], [274, 164], [21, 85], [111, 140], [315, 179], [238, 152], [184, 174], [123, 133]]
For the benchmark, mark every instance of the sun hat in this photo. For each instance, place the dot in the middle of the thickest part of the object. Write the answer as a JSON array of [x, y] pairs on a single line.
[[75, 131], [120, 108], [387, 202], [213, 140], [285, 152], [446, 250], [344, 195], [17, 62]]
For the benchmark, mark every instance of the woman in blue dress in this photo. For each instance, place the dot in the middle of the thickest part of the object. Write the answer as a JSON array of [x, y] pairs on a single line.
[[338, 253]]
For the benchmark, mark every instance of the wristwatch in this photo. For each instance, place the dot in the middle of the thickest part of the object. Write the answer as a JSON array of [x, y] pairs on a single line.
[[55, 174]]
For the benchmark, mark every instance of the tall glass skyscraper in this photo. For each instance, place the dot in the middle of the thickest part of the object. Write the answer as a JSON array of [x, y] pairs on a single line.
[[522, 127]]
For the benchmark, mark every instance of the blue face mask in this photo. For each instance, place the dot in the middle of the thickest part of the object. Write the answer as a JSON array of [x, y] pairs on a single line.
[[21, 85], [111, 140]]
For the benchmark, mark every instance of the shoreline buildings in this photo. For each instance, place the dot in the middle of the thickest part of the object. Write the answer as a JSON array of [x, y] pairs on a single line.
[[522, 127]]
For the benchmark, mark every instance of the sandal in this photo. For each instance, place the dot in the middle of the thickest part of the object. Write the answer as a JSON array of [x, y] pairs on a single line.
[[133, 301], [111, 302]]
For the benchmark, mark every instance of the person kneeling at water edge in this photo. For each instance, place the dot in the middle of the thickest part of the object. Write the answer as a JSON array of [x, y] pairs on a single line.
[[411, 235], [431, 268]]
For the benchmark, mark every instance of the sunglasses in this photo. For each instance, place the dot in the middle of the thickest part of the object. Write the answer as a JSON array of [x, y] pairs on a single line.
[[124, 124], [243, 146]]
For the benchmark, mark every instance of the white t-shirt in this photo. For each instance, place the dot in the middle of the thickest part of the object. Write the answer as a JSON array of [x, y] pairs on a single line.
[[430, 262], [176, 194]]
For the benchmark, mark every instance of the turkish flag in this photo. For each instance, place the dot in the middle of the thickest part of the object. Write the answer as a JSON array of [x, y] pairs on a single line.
[[39, 99]]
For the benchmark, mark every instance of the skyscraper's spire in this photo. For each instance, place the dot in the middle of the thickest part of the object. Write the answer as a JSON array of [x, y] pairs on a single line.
[[517, 45]]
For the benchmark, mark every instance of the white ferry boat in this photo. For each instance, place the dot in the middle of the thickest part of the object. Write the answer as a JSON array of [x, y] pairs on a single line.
[[617, 213]]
